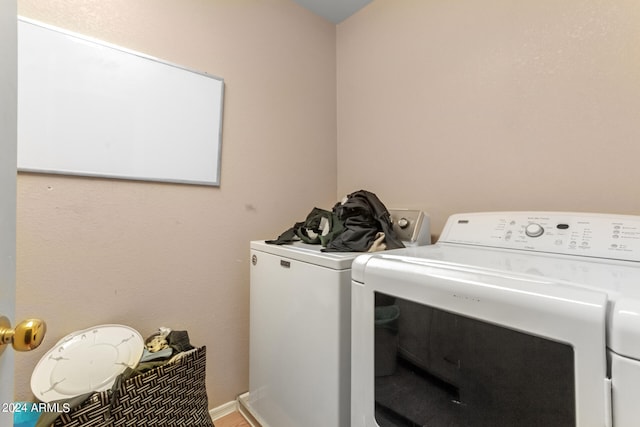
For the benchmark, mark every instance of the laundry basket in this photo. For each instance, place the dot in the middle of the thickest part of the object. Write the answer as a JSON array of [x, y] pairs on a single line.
[[173, 394]]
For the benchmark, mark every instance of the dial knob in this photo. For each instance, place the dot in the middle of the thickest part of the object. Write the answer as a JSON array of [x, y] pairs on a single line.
[[403, 223], [534, 230]]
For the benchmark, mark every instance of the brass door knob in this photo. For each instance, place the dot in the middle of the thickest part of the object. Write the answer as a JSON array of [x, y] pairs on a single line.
[[26, 336]]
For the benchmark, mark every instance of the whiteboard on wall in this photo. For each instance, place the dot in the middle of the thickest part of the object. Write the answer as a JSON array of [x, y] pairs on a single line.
[[90, 108]]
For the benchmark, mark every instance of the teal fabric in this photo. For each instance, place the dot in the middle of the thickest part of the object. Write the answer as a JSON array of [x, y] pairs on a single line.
[[26, 418]]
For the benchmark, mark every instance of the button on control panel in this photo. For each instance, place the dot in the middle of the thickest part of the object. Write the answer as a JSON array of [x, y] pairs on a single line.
[[534, 230], [593, 235]]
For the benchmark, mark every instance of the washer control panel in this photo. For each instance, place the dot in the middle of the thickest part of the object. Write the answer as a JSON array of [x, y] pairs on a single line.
[[593, 235]]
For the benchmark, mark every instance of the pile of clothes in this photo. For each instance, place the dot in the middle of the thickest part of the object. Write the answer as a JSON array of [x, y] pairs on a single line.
[[360, 222], [162, 347]]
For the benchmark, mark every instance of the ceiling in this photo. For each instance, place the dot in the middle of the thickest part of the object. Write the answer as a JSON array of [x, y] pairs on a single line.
[[333, 10]]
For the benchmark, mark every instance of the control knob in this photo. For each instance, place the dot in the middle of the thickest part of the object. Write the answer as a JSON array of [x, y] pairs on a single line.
[[534, 230], [403, 223]]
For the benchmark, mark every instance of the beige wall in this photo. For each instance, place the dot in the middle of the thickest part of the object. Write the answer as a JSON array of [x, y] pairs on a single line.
[[94, 251], [492, 105]]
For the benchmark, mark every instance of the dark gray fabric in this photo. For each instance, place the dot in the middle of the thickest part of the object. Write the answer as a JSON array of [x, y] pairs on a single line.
[[364, 216], [309, 230]]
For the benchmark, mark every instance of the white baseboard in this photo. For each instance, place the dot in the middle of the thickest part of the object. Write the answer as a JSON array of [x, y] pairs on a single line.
[[224, 409], [245, 410], [233, 406]]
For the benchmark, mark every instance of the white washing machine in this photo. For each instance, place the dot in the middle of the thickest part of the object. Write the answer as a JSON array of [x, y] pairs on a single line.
[[521, 319], [300, 329]]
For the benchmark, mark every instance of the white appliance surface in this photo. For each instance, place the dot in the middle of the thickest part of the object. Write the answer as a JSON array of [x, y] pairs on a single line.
[[300, 330], [570, 277], [308, 253]]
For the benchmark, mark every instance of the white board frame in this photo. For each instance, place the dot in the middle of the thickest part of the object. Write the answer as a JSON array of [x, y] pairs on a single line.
[[86, 107]]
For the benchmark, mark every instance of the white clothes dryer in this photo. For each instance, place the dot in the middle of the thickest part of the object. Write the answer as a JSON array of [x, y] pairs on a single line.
[[511, 319], [300, 329]]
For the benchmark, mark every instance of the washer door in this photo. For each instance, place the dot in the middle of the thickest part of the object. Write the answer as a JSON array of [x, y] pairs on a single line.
[[471, 301]]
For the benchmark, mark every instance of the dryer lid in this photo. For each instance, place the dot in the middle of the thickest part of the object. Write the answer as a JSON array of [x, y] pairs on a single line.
[[618, 280]]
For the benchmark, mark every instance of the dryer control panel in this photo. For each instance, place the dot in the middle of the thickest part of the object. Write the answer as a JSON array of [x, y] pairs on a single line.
[[582, 234], [412, 226]]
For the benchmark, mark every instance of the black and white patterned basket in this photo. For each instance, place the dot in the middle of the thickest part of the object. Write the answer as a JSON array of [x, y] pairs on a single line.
[[170, 395]]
